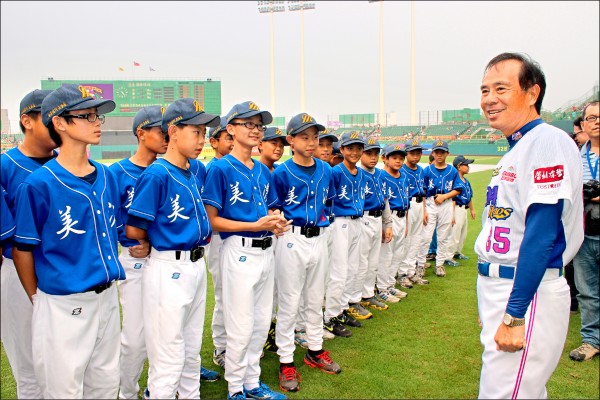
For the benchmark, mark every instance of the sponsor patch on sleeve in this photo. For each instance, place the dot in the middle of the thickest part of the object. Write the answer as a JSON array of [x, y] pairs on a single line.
[[549, 177]]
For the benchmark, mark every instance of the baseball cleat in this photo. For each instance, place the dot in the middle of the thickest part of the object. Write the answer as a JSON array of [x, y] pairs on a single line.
[[440, 271], [301, 339], [397, 293], [388, 297], [219, 359], [263, 392], [323, 362], [236, 396], [451, 263], [335, 326], [358, 312], [209, 375], [327, 335], [405, 282], [460, 256], [289, 379], [374, 304], [348, 320]]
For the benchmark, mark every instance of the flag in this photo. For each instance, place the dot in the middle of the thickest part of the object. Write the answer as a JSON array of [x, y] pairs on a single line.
[[152, 69], [136, 64], [121, 69]]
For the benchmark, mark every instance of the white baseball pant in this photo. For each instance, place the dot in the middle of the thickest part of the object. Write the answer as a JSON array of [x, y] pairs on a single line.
[[440, 218], [174, 293], [369, 249], [76, 342], [301, 266], [524, 374], [219, 336], [133, 344], [15, 327], [248, 279], [345, 234], [391, 254], [459, 230], [413, 239]]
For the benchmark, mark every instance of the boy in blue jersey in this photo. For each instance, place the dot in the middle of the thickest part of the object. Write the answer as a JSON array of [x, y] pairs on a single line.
[[348, 206], [376, 228], [66, 254], [271, 147], [462, 203], [222, 142], [393, 252], [167, 211], [151, 142], [304, 186], [238, 202], [442, 183], [15, 308]]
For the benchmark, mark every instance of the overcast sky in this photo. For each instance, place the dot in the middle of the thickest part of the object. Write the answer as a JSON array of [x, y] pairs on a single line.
[[230, 41]]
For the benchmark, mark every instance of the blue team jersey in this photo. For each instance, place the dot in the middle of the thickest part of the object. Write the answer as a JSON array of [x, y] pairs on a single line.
[[239, 193], [198, 168], [73, 226], [169, 198], [126, 174], [350, 197], [374, 193], [302, 197], [211, 163], [465, 195], [7, 224], [441, 181], [14, 168], [415, 180], [396, 190]]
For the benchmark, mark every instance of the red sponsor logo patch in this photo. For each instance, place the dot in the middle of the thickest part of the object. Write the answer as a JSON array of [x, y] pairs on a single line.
[[549, 174], [508, 176]]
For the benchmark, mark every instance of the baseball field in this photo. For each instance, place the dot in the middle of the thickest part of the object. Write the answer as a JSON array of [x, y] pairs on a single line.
[[426, 346]]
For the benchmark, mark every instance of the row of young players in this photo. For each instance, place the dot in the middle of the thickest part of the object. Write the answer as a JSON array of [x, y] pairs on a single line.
[[185, 123]]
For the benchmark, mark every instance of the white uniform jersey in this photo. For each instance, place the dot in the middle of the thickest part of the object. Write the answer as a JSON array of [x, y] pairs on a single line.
[[527, 175]]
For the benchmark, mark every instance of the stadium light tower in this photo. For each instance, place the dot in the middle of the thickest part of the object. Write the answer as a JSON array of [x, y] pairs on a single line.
[[381, 70], [301, 6], [271, 7]]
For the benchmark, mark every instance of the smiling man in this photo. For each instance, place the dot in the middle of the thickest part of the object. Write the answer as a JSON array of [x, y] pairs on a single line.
[[533, 227]]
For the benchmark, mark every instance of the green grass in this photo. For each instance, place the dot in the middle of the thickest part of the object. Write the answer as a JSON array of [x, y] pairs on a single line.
[[426, 346]]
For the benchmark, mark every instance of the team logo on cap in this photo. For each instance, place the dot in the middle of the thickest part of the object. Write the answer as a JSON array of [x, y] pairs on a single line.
[[415, 142], [371, 141], [84, 92], [325, 132], [162, 111], [253, 106], [27, 109], [439, 143], [306, 119], [278, 132], [198, 106], [397, 147], [144, 122], [354, 135]]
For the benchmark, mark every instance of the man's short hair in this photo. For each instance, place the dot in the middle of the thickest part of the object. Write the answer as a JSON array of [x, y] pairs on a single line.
[[531, 74], [578, 121], [593, 103]]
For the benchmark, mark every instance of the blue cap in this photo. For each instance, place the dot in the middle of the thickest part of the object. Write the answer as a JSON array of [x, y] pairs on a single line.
[[302, 122], [372, 144], [440, 145], [324, 134], [213, 132], [33, 101], [274, 133], [458, 160], [248, 109], [188, 112], [393, 148], [71, 97], [148, 117], [349, 138], [336, 150], [413, 144]]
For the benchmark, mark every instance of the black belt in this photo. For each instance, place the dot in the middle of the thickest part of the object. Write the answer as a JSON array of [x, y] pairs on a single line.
[[463, 205], [400, 213], [419, 199], [263, 243], [100, 288], [375, 213], [354, 216], [308, 231], [331, 219], [195, 254]]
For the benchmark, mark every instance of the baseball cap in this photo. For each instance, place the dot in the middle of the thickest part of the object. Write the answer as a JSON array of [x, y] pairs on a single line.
[[352, 137], [148, 117], [440, 145], [33, 101], [372, 144], [188, 112], [214, 131], [274, 133], [70, 97], [393, 148], [461, 160], [326, 133], [412, 144], [301, 122], [248, 109]]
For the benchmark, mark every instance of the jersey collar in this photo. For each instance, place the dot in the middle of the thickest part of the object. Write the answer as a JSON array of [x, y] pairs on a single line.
[[515, 137]]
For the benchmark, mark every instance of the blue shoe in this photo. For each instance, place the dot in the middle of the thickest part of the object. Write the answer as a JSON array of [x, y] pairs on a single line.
[[263, 392], [146, 394], [209, 375], [451, 263], [460, 256], [236, 396]]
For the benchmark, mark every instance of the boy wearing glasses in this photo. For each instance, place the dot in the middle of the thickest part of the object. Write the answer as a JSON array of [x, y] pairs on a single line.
[[67, 255], [16, 165], [237, 201]]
